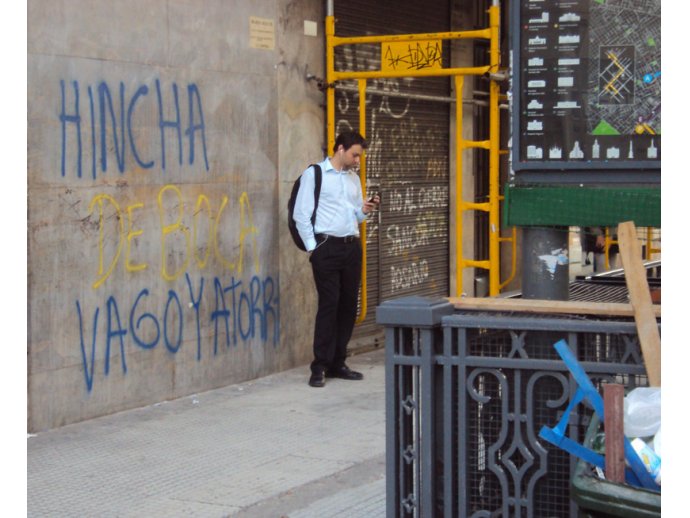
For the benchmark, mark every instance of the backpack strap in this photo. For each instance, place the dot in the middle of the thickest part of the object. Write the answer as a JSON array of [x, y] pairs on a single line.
[[317, 190]]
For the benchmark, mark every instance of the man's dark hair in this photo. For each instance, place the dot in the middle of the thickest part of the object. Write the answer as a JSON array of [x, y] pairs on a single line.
[[349, 139]]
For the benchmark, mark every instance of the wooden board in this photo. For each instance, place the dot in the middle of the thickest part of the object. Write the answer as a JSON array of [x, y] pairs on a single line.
[[641, 301], [548, 306]]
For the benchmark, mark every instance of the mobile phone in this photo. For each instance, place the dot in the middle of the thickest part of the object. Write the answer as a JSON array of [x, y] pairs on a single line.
[[374, 196]]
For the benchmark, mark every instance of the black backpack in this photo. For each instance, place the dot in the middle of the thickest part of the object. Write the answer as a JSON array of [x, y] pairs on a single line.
[[291, 205]]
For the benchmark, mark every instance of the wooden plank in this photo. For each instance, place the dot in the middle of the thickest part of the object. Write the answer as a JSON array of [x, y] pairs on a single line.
[[641, 301], [613, 429], [547, 306]]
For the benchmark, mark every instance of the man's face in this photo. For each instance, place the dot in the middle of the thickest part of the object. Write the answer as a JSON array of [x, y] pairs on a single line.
[[350, 157]]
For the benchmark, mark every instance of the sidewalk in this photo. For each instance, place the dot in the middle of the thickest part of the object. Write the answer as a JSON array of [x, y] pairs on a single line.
[[272, 447]]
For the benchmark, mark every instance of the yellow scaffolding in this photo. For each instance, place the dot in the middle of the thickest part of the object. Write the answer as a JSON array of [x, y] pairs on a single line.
[[491, 144], [648, 237]]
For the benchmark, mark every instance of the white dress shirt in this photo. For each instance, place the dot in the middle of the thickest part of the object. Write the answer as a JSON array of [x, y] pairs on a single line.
[[340, 204]]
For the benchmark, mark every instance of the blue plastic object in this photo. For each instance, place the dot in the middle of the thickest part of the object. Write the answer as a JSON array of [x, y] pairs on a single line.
[[637, 474]]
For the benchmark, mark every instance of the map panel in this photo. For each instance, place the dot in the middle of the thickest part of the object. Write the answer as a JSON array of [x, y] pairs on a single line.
[[590, 81]]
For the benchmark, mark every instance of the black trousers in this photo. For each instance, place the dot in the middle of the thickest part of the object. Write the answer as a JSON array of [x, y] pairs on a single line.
[[337, 268]]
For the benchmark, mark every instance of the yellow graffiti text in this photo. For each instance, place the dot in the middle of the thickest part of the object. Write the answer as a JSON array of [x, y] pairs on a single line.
[[132, 234], [100, 199], [180, 246], [176, 226]]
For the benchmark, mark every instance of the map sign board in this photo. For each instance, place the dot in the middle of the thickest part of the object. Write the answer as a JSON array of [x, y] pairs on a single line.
[[586, 85]]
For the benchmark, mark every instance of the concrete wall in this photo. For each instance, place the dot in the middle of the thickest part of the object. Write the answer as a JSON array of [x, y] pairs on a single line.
[[162, 144]]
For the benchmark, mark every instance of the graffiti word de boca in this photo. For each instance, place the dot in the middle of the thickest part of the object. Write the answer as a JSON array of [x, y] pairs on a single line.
[[170, 199]]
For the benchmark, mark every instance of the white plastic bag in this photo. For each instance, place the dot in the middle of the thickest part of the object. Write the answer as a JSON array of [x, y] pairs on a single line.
[[642, 412]]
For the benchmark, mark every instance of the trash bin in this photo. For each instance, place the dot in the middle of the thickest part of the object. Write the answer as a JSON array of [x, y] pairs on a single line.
[[599, 498]]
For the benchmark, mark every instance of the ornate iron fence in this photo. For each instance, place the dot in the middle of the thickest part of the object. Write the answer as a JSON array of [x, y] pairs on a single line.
[[466, 395]]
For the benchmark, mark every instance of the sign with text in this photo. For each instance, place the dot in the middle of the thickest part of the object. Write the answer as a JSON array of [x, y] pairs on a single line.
[[410, 55], [261, 33], [588, 77]]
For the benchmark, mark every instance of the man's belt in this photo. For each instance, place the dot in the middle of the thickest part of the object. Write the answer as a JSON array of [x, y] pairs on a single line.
[[335, 239]]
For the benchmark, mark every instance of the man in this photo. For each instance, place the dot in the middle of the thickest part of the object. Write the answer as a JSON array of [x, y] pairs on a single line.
[[335, 253]]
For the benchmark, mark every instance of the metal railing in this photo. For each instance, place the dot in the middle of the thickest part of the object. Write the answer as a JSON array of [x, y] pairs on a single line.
[[466, 395]]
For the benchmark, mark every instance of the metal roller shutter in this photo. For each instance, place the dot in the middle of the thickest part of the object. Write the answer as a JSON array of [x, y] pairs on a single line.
[[407, 162]]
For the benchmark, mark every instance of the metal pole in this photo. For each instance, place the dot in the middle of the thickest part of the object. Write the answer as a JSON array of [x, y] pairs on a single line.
[[362, 87], [421, 97], [330, 71], [545, 267], [459, 220], [494, 177]]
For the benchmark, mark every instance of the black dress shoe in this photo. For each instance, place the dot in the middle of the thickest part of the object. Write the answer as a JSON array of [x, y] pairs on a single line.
[[317, 379], [344, 373]]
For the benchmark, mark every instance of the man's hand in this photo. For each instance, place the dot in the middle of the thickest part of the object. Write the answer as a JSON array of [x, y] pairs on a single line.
[[371, 204]]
